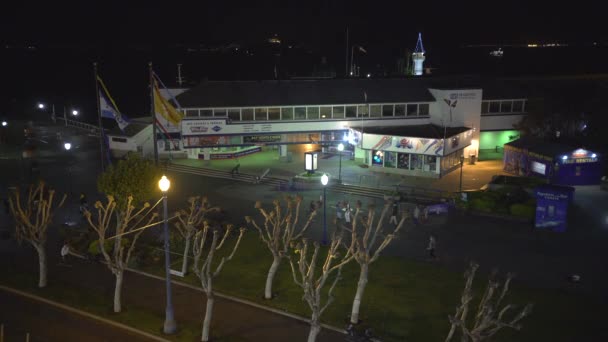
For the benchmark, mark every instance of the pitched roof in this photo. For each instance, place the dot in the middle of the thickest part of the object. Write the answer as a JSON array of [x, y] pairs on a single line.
[[418, 131], [305, 92], [549, 149]]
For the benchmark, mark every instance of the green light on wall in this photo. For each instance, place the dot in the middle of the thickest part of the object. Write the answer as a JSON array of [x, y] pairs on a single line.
[[489, 140]]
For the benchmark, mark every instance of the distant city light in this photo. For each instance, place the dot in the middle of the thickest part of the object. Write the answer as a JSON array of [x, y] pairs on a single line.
[[564, 157], [369, 75], [592, 156], [4, 123], [41, 105], [74, 112]]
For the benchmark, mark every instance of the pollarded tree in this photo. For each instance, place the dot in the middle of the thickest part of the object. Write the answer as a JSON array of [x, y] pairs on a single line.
[[190, 219], [366, 245], [205, 273], [490, 317], [127, 229], [312, 280], [32, 218], [280, 229]]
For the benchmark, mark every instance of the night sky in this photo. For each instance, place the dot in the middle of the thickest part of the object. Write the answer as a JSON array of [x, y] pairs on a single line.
[[123, 38]]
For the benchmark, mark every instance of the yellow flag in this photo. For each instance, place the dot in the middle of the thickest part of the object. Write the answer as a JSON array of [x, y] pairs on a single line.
[[164, 108]]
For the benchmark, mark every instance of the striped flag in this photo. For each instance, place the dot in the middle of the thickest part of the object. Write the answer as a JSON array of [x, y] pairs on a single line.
[[108, 107]]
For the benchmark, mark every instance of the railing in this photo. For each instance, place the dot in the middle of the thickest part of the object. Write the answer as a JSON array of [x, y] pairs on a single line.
[[81, 125]]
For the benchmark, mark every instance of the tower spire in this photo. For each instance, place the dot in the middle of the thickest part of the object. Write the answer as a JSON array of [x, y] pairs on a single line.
[[418, 56], [419, 46]]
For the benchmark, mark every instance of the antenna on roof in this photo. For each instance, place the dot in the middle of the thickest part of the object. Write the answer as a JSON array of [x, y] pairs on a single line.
[[180, 79]]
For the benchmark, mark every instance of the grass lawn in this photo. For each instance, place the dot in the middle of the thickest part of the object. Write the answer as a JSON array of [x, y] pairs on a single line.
[[404, 300]]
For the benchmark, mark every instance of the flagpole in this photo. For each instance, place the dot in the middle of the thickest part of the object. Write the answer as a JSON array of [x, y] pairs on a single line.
[[101, 133], [153, 114]]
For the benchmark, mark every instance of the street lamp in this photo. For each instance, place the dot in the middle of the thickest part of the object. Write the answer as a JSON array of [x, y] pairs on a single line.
[[74, 112], [67, 146], [170, 325], [340, 149], [4, 123], [324, 181], [461, 162], [41, 106]]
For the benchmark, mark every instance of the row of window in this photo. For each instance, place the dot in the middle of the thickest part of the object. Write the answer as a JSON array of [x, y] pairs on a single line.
[[406, 161], [314, 112], [503, 106]]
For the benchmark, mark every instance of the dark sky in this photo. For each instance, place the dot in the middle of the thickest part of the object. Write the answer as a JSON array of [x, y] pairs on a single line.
[[312, 21]]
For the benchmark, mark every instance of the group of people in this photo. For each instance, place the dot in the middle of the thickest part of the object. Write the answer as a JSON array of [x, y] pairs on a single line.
[[419, 216]]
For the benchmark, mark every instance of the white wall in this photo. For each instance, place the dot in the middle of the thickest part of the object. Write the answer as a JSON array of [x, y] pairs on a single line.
[[499, 122]]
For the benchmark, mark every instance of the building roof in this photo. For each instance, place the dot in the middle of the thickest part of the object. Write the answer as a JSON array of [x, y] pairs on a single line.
[[305, 92], [417, 131], [549, 149], [135, 126]]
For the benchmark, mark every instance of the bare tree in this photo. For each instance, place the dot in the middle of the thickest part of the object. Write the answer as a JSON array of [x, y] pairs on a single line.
[[280, 229], [312, 281], [366, 246], [490, 317], [126, 223], [205, 272], [32, 219], [190, 219]]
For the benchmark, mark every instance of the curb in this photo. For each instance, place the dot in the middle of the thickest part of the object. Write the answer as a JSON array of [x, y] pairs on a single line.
[[82, 313], [239, 300]]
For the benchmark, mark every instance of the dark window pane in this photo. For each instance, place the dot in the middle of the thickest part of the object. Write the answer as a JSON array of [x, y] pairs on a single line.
[[247, 114], [494, 107], [325, 112], [300, 113], [484, 107], [274, 113], [387, 110], [505, 106], [234, 114], [423, 109], [518, 106], [260, 114], [399, 110], [412, 109], [192, 112], [363, 111], [376, 110], [338, 112], [286, 113], [219, 112], [313, 113], [206, 112], [351, 111]]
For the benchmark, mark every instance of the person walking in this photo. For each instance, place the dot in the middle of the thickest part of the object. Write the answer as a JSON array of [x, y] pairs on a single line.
[[347, 215], [393, 219], [339, 211], [417, 215], [431, 247]]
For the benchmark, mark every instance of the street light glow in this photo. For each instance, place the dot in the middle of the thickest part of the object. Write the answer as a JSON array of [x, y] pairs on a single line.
[[74, 112], [324, 179], [4, 123], [340, 147], [164, 184], [67, 146], [41, 105], [564, 157]]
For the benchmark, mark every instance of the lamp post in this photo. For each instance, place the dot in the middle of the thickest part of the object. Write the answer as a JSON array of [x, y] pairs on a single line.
[[170, 325], [324, 181], [340, 149], [461, 162], [67, 147]]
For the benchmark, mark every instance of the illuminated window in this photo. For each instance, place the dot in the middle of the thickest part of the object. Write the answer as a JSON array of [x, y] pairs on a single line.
[[412, 109], [403, 161], [247, 114], [234, 114], [400, 110], [363, 111], [261, 114], [375, 110], [274, 113], [377, 158], [506, 106], [325, 112], [286, 113], [338, 112], [423, 109], [351, 111], [387, 110], [300, 113], [312, 113]]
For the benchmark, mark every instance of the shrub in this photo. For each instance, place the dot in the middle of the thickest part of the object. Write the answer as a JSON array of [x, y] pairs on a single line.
[[481, 204], [523, 210]]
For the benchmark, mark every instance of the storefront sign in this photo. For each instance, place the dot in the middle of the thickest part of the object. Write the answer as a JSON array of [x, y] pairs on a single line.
[[552, 207], [579, 160], [206, 141], [253, 139], [216, 126], [539, 168]]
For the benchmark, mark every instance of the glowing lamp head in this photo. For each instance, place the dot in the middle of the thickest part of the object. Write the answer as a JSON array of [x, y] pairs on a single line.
[[564, 157], [324, 179], [340, 147], [67, 146], [4, 123], [41, 105], [74, 112], [164, 184], [592, 156]]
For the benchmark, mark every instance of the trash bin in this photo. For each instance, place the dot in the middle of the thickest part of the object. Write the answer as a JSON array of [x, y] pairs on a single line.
[[472, 159]]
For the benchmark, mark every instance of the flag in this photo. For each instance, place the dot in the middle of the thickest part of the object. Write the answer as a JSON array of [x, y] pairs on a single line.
[[108, 108], [163, 108]]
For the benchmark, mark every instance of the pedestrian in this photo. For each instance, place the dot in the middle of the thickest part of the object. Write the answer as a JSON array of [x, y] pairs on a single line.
[[425, 214], [393, 219], [65, 250], [431, 247], [417, 215], [347, 214], [339, 210]]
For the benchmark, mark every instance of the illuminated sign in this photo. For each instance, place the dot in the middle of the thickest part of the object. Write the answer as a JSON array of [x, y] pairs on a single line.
[[539, 167], [579, 160], [261, 138], [310, 161]]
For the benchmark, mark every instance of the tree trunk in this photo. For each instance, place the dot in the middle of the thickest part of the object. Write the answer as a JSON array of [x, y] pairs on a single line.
[[42, 264], [185, 260], [354, 315], [118, 291], [208, 314], [315, 327], [270, 278]]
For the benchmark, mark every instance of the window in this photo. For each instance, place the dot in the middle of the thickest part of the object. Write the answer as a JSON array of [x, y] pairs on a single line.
[[506, 106], [312, 113], [417, 161], [286, 113], [494, 107], [375, 110], [377, 158], [484, 107], [338, 112], [261, 114], [390, 159], [412, 109], [351, 111], [206, 112], [300, 113], [234, 114], [219, 112], [518, 106], [403, 161], [431, 161], [274, 113], [325, 112], [121, 140], [387, 110], [363, 111], [400, 110], [247, 114], [423, 109], [191, 112]]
